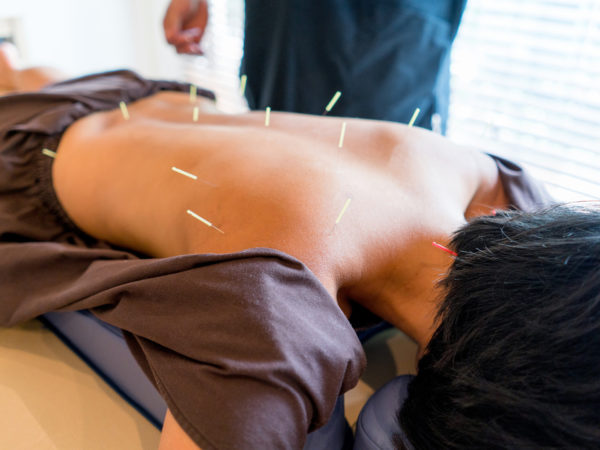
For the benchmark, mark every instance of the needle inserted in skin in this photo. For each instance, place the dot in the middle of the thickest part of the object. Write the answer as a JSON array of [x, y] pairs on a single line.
[[243, 81], [184, 173], [49, 153], [192, 176], [124, 110], [332, 102], [342, 134], [445, 249], [414, 117], [203, 220], [343, 211]]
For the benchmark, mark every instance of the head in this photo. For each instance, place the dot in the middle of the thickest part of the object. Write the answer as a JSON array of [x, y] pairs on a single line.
[[515, 360]]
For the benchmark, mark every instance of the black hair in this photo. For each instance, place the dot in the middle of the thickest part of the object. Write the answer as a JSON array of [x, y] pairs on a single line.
[[515, 360]]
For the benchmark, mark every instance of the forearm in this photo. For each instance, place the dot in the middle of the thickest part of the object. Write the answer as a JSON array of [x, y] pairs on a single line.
[[173, 437]]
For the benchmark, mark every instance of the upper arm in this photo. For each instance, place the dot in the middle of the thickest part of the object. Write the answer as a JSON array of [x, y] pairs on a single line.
[[173, 437]]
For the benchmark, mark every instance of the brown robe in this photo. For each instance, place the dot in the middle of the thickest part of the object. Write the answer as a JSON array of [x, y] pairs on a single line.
[[247, 349]]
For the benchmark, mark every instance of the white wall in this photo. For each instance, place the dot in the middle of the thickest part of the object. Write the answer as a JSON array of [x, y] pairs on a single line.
[[154, 57], [85, 36]]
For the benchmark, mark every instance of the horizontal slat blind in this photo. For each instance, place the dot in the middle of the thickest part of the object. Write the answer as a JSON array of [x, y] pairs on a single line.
[[223, 45], [525, 83], [525, 80]]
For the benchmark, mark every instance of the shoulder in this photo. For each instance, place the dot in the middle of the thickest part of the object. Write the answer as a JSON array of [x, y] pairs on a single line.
[[490, 193]]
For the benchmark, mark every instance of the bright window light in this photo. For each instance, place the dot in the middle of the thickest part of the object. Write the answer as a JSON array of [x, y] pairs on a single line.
[[525, 85]]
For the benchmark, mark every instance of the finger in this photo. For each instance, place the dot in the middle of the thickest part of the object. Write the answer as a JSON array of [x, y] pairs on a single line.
[[189, 49], [197, 20], [186, 37], [173, 36], [178, 39], [173, 22], [192, 35]]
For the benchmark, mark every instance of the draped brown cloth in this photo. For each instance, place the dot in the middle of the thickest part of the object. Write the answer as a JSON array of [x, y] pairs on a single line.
[[247, 349]]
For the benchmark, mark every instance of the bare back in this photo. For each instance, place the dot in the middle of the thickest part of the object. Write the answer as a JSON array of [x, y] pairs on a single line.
[[283, 186]]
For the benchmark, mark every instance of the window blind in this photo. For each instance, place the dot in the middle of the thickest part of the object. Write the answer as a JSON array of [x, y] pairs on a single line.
[[525, 80], [223, 45], [525, 83]]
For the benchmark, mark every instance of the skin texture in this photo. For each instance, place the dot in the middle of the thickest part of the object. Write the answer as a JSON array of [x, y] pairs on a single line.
[[173, 437], [184, 25], [281, 187], [12, 79]]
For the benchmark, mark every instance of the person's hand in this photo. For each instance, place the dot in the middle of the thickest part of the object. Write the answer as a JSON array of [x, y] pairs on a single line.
[[184, 25]]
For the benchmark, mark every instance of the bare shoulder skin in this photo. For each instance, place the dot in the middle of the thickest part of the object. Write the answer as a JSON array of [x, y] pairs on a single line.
[[281, 187]]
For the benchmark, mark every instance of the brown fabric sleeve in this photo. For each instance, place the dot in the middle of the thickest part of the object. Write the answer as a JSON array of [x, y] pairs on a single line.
[[269, 354], [52, 109], [525, 193], [248, 349]]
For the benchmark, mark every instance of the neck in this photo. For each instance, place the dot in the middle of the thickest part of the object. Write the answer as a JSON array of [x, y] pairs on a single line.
[[399, 281], [405, 295], [490, 195]]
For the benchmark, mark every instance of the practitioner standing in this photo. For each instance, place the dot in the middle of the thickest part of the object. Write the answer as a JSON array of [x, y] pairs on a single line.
[[387, 57]]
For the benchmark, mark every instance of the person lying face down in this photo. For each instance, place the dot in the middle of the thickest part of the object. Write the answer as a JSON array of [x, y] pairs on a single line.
[[408, 188], [361, 215], [515, 360]]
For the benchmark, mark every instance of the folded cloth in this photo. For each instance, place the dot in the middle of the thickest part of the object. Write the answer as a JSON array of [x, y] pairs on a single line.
[[524, 192], [248, 349]]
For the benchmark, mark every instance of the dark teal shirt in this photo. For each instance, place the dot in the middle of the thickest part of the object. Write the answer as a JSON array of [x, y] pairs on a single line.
[[387, 57]]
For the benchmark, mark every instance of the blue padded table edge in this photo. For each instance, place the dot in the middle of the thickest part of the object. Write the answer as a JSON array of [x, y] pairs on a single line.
[[88, 336], [377, 427], [127, 379]]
